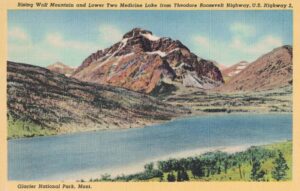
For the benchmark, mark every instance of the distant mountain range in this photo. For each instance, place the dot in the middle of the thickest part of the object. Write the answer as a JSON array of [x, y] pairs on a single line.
[[112, 88], [229, 72], [149, 64], [220, 66], [270, 71]]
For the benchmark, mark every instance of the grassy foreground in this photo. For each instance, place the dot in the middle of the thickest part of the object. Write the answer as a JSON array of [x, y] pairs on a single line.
[[258, 163], [19, 128]]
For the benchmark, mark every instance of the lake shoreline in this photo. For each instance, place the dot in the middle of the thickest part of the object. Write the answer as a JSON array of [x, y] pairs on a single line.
[[197, 114], [138, 168], [128, 150]]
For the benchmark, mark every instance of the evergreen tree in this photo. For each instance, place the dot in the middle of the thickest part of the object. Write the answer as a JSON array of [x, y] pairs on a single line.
[[255, 168], [176, 165], [179, 179], [279, 172], [171, 177], [240, 170], [184, 163], [213, 166], [219, 170], [105, 177], [225, 166], [165, 166], [197, 168], [161, 177], [256, 173], [184, 176], [149, 167]]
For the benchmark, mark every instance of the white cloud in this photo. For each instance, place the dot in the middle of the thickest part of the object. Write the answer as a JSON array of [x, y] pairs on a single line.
[[261, 46], [56, 47], [201, 41], [58, 41], [30, 53], [50, 48], [244, 44], [242, 29], [17, 33], [109, 34]]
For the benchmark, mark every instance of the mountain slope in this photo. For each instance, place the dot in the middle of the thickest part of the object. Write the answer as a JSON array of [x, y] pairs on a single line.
[[58, 104], [145, 63], [61, 68], [270, 71]]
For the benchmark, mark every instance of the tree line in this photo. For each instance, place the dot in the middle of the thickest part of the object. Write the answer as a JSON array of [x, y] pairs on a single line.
[[213, 163]]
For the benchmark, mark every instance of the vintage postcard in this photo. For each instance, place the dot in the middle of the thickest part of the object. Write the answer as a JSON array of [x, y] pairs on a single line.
[[149, 95]]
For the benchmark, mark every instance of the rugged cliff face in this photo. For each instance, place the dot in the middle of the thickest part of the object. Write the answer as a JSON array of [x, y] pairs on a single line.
[[60, 104], [145, 63], [270, 71]]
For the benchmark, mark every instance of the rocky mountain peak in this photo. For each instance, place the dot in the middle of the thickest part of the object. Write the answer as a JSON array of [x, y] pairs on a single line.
[[136, 32], [289, 48], [143, 62]]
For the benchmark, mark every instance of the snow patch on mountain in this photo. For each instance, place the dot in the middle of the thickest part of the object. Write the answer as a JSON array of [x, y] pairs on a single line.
[[241, 67], [192, 80], [160, 53], [151, 37]]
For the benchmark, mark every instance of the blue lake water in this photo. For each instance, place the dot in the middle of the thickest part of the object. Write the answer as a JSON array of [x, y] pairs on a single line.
[[76, 155]]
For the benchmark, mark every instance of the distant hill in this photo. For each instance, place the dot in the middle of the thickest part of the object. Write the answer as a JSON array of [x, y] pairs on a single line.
[[270, 71], [220, 66], [145, 63], [61, 68], [40, 101], [233, 70]]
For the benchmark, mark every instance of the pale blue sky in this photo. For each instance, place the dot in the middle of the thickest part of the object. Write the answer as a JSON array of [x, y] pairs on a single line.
[[44, 37]]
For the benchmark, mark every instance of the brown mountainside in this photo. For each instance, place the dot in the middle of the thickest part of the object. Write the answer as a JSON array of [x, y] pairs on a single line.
[[145, 63], [61, 104], [233, 70], [270, 71]]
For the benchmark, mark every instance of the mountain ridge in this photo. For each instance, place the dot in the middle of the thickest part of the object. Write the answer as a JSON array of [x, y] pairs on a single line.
[[270, 71]]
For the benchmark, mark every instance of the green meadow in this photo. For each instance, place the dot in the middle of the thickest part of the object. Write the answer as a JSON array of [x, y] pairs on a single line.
[[271, 162], [20, 128]]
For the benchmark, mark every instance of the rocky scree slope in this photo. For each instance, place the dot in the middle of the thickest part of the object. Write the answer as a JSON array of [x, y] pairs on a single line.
[[61, 104]]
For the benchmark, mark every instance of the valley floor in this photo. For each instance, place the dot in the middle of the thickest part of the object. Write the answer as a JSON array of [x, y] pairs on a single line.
[[278, 100]]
